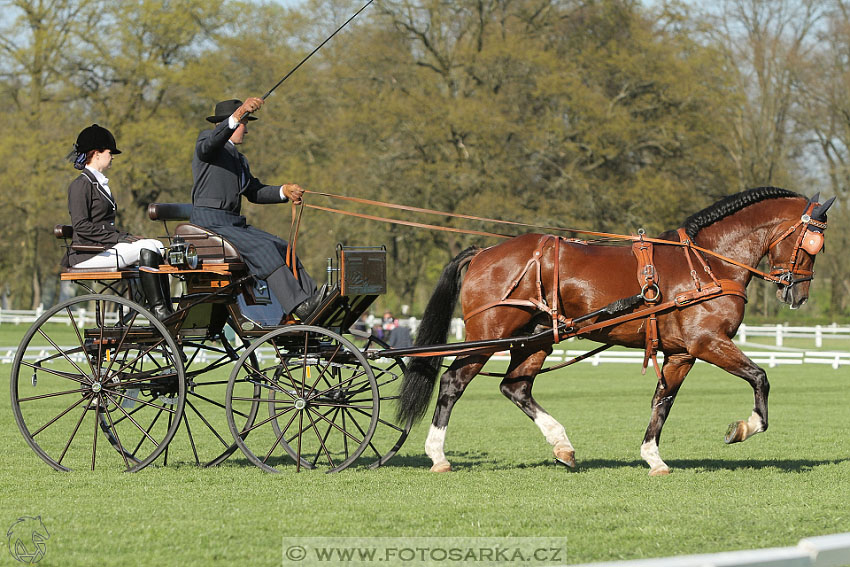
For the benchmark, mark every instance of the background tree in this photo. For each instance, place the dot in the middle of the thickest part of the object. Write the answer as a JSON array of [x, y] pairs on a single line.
[[597, 114]]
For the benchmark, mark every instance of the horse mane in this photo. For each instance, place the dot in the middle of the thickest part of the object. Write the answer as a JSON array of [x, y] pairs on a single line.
[[727, 206]]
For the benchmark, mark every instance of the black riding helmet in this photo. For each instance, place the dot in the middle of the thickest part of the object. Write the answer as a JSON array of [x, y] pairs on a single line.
[[92, 138], [96, 138]]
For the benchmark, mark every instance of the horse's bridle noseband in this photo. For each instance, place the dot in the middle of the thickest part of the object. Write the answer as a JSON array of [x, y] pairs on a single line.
[[810, 240]]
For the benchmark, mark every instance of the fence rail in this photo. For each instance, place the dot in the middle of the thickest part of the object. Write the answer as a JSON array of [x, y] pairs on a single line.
[[779, 332], [768, 358], [82, 317]]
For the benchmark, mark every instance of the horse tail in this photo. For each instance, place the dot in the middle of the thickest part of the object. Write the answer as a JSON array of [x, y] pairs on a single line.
[[421, 375]]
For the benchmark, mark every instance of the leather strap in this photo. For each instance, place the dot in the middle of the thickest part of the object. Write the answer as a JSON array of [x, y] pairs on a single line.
[[604, 235], [647, 277], [291, 259]]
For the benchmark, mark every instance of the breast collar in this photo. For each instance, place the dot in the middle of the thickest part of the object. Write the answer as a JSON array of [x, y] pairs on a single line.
[[102, 191]]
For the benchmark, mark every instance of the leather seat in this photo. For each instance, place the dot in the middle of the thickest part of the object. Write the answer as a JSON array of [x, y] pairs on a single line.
[[211, 247]]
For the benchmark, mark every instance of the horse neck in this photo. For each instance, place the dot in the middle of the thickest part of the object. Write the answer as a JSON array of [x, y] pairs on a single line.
[[746, 235]]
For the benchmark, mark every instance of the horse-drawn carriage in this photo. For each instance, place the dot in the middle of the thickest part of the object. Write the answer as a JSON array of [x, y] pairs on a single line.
[[304, 391]]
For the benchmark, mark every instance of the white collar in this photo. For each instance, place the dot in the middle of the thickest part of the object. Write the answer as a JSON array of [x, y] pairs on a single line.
[[100, 177], [102, 186]]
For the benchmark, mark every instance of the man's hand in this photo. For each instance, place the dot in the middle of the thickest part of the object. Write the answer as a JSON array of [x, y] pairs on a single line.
[[293, 192], [251, 104]]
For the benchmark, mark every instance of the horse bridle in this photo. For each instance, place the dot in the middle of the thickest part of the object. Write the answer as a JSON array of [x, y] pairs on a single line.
[[810, 240]]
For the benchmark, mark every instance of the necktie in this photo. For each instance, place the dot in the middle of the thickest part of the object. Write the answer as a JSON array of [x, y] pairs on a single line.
[[243, 172]]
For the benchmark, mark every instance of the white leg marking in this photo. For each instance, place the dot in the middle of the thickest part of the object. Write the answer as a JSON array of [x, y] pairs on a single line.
[[754, 424], [649, 453], [553, 431], [434, 444]]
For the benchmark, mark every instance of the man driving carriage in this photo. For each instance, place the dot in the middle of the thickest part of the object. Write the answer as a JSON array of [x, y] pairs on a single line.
[[221, 178]]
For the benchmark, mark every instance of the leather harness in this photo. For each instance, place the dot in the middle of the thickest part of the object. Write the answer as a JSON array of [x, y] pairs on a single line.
[[563, 328]]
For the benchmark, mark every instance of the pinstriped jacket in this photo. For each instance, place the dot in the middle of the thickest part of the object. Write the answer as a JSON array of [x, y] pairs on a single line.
[[221, 174]]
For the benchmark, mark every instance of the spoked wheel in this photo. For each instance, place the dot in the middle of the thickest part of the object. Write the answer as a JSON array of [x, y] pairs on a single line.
[[321, 397], [98, 366], [391, 432], [204, 437]]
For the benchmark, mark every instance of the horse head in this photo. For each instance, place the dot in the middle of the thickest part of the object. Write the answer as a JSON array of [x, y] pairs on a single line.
[[792, 253]]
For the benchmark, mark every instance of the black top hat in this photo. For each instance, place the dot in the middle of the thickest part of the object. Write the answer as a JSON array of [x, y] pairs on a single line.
[[95, 138], [224, 109]]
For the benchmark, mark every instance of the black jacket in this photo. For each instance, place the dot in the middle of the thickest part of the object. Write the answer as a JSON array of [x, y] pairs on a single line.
[[92, 216], [221, 174]]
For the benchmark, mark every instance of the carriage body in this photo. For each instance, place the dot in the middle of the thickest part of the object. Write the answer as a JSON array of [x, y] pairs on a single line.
[[300, 391]]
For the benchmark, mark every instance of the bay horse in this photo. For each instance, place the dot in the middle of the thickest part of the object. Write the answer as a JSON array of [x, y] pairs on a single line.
[[530, 283]]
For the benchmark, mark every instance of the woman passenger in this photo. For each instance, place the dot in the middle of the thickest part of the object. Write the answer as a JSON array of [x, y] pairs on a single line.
[[93, 208]]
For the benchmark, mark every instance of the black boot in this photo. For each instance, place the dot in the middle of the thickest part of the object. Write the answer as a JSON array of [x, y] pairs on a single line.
[[307, 307], [158, 300]]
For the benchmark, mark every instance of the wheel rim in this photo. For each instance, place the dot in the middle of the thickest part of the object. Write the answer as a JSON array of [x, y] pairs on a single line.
[[320, 395], [119, 382]]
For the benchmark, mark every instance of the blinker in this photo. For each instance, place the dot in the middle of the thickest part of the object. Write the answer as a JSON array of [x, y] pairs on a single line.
[[812, 242]]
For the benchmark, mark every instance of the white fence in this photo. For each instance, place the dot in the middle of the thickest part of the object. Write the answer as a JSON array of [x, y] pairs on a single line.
[[820, 551], [28, 317], [764, 358], [779, 333]]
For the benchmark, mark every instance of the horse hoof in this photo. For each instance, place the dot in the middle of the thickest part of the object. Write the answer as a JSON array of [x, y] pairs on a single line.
[[566, 458], [660, 471], [441, 467], [736, 433]]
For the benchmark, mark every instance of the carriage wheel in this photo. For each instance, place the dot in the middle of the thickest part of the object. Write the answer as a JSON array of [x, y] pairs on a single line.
[[321, 397], [391, 432], [205, 437], [119, 376]]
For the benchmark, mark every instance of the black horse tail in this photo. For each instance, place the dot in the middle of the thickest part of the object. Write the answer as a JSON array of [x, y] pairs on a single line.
[[422, 372]]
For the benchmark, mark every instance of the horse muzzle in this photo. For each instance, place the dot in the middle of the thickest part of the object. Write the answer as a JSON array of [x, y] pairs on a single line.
[[791, 293]]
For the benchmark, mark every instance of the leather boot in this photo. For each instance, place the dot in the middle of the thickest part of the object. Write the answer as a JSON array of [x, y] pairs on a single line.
[[306, 308], [158, 300]]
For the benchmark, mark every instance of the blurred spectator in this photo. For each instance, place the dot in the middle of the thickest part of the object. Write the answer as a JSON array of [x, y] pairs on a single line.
[[399, 338], [394, 334]]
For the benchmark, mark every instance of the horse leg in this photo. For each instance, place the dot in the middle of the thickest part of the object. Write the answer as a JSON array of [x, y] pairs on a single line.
[[724, 354], [673, 373], [452, 385], [517, 385]]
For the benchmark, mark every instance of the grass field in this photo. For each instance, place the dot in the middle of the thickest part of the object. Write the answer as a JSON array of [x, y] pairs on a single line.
[[788, 483]]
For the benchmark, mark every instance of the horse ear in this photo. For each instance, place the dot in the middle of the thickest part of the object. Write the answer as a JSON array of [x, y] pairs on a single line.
[[815, 198], [820, 210]]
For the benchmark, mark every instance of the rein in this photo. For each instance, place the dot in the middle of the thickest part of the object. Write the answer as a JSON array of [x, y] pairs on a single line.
[[776, 275]]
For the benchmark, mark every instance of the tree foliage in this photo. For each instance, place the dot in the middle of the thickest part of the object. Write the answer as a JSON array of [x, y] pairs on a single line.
[[593, 114]]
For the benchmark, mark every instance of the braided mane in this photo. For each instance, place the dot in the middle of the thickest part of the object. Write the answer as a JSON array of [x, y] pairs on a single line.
[[730, 205]]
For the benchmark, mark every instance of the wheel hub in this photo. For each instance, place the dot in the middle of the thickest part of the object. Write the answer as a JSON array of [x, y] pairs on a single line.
[[96, 387], [300, 403]]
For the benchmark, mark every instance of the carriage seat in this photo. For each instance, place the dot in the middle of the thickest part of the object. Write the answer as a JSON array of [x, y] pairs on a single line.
[[66, 232], [211, 247]]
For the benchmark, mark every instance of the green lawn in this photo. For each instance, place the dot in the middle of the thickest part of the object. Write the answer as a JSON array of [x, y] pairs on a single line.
[[788, 483]]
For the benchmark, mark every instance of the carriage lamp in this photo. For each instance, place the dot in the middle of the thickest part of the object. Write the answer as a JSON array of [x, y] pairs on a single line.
[[182, 254]]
